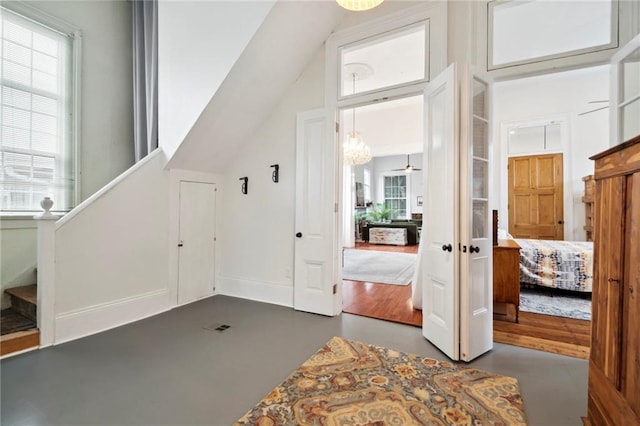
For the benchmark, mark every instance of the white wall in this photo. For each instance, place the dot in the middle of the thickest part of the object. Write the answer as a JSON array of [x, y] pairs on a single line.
[[199, 42], [258, 231], [563, 94], [106, 139], [112, 255]]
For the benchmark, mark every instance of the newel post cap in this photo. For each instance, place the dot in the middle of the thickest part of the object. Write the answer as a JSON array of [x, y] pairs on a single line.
[[46, 203]]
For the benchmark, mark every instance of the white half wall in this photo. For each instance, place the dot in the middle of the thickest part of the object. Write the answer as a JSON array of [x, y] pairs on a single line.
[[199, 42], [112, 254], [565, 94]]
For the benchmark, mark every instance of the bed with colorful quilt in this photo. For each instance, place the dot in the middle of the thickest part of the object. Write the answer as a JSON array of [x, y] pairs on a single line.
[[566, 265]]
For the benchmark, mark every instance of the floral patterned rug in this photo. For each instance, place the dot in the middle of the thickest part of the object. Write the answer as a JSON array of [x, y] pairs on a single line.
[[352, 383]]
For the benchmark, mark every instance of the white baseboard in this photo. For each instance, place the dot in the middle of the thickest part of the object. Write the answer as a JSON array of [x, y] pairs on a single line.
[[94, 319], [259, 291]]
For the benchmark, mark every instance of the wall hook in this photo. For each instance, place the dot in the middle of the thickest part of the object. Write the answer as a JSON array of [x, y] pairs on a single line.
[[276, 172], [245, 184]]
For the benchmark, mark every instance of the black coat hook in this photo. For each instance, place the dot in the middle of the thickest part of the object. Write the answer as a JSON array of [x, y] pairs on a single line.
[[276, 172], [245, 184]]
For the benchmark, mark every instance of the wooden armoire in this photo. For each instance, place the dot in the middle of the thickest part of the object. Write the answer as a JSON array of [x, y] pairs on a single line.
[[614, 364]]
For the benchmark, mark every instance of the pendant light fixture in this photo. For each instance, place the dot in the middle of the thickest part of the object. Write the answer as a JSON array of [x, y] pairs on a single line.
[[355, 150], [359, 5]]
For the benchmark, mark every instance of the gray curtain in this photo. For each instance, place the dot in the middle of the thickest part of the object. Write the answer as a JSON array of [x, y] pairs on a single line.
[[145, 77]]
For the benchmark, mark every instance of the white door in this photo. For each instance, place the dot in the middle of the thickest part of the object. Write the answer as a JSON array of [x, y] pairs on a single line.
[[625, 92], [196, 264], [440, 299], [476, 282], [315, 217]]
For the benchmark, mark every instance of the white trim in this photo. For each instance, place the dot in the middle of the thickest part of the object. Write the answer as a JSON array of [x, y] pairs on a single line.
[[108, 187], [95, 319], [260, 291], [18, 222]]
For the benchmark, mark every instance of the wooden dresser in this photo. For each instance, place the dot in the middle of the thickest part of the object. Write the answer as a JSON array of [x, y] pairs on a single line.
[[614, 365], [506, 277]]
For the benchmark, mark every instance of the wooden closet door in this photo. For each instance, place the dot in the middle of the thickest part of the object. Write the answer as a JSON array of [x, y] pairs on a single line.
[[536, 207], [608, 269]]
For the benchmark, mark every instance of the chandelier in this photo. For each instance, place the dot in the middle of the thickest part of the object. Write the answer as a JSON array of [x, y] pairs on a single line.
[[359, 5], [356, 152]]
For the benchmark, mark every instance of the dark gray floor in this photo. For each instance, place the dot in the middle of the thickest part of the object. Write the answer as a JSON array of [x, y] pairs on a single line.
[[169, 370]]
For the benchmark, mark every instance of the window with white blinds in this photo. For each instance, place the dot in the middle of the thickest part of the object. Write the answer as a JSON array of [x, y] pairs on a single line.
[[37, 155]]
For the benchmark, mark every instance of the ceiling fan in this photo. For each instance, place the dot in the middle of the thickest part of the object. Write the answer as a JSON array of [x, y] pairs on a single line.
[[408, 169]]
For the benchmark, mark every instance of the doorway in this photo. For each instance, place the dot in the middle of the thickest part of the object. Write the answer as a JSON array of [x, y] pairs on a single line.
[[536, 197], [382, 210]]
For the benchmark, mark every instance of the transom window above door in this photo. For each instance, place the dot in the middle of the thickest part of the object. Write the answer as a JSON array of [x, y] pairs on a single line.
[[391, 59]]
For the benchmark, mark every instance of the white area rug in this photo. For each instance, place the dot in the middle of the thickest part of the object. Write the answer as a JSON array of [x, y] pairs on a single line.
[[559, 305], [379, 266]]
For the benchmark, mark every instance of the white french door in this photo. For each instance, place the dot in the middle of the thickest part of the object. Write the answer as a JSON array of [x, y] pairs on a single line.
[[457, 281], [625, 92], [315, 216], [440, 298], [476, 266]]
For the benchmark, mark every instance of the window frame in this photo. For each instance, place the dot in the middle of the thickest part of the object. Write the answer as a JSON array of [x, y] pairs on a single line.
[[613, 44], [74, 34], [381, 192]]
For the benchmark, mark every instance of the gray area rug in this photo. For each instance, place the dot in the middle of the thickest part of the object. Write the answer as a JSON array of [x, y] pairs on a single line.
[[560, 305], [379, 266]]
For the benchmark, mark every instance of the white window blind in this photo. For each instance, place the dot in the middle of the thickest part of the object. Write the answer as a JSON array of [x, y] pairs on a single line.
[[36, 152]]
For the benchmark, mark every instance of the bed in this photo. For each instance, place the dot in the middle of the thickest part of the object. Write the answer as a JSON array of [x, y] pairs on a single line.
[[566, 265]]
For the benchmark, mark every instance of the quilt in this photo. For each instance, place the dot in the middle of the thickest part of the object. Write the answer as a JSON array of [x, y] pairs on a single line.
[[566, 265]]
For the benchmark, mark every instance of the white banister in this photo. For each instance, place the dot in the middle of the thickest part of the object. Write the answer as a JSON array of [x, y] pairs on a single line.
[[46, 272]]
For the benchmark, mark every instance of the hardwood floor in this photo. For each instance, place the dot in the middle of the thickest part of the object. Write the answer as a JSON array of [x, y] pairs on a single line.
[[382, 301], [558, 335]]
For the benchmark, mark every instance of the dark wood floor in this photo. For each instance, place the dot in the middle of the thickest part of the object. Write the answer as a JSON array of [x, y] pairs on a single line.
[[382, 301], [559, 335]]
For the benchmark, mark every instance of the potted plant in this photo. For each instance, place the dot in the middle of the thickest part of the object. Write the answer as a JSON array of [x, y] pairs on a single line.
[[381, 213]]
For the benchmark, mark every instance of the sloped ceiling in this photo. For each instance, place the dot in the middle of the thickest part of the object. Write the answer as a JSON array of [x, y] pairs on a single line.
[[278, 53]]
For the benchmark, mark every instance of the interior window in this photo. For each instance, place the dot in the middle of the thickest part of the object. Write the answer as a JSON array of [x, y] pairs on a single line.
[[395, 195], [386, 60], [522, 32]]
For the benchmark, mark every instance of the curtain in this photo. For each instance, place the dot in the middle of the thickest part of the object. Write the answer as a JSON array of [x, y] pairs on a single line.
[[145, 77]]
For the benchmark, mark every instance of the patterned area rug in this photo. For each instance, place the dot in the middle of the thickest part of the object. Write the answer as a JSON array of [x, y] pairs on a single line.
[[352, 383], [379, 266], [555, 303]]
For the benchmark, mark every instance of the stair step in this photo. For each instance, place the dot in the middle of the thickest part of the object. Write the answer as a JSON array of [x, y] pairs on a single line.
[[24, 300], [12, 321], [28, 293], [19, 341]]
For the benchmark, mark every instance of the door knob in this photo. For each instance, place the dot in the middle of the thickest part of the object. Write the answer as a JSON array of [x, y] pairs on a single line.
[[299, 235], [560, 222], [447, 247], [473, 249]]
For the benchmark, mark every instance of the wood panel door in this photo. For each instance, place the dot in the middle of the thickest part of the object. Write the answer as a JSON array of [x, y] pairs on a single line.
[[536, 208]]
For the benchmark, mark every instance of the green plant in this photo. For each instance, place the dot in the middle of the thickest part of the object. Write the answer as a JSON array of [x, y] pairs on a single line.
[[381, 212]]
